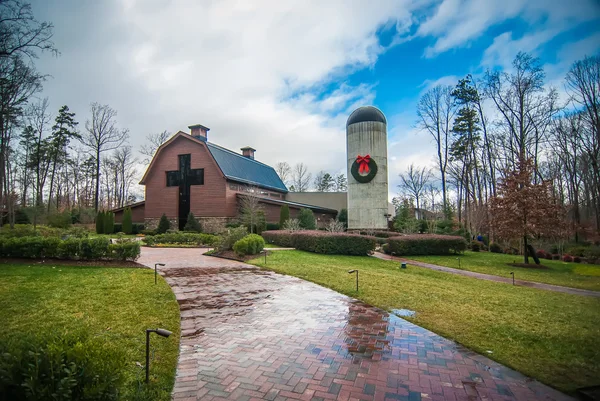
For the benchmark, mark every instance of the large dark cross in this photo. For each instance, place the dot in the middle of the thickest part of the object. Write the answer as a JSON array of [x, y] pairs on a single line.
[[184, 178]]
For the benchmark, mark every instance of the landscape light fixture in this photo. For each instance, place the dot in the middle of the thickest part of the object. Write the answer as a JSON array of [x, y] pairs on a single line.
[[458, 262], [354, 271], [155, 270], [403, 265], [513, 276], [265, 252], [161, 332]]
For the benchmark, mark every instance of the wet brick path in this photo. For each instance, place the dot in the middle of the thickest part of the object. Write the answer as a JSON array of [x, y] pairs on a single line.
[[254, 335]]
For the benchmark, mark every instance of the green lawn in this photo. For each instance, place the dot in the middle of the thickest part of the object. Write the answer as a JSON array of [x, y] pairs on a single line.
[[550, 336], [114, 304], [576, 275]]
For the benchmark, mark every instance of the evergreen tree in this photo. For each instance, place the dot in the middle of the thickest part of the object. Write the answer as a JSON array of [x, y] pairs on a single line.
[[163, 225], [284, 215], [192, 224], [109, 223], [127, 227], [342, 217], [100, 223], [307, 219]]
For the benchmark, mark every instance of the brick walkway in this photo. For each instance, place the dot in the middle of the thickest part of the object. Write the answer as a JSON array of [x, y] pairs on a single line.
[[249, 334], [491, 277]]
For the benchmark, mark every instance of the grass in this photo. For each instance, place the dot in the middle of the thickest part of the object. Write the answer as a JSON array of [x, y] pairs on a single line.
[[116, 304], [550, 336], [574, 275]]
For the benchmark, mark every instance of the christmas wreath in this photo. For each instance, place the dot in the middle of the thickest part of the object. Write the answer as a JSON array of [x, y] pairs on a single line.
[[363, 169]]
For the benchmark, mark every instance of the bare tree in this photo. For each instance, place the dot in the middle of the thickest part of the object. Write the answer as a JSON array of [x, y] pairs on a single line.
[[153, 141], [124, 163], [250, 207], [301, 178], [102, 135], [284, 171], [436, 110], [414, 182]]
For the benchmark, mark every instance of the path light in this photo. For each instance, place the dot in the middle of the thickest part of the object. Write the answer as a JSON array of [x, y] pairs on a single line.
[[161, 332], [354, 271], [403, 265], [458, 262], [265, 252], [513, 276], [155, 270]]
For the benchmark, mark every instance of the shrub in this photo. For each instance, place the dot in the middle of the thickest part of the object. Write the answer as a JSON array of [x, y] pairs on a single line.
[[127, 226], [555, 256], [192, 224], [577, 250], [306, 218], [284, 215], [19, 230], [77, 232], [342, 217], [323, 242], [136, 228], [292, 225], [72, 367], [567, 258], [21, 217], [249, 245], [109, 222], [592, 253], [124, 250], [272, 226], [100, 223], [230, 237], [427, 244], [163, 224], [576, 259], [94, 248], [181, 238], [60, 220], [540, 253], [118, 228], [495, 248], [475, 246], [148, 232]]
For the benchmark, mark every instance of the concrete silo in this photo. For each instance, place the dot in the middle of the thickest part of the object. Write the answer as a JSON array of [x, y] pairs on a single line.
[[366, 152]]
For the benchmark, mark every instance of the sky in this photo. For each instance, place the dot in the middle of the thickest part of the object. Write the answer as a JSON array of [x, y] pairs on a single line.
[[283, 76]]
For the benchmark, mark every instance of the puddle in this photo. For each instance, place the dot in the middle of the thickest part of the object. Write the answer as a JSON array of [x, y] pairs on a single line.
[[404, 312]]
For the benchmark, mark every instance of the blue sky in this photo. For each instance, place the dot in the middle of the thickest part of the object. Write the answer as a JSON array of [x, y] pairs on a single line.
[[282, 77]]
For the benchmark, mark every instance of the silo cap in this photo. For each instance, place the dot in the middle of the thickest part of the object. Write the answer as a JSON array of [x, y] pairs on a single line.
[[366, 113]]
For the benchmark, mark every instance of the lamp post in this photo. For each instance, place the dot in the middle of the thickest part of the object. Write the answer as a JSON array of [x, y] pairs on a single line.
[[156, 270], [458, 262], [265, 252], [513, 277], [161, 332], [354, 271]]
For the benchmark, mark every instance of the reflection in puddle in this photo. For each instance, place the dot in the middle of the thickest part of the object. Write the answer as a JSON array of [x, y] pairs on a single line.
[[367, 331], [404, 312]]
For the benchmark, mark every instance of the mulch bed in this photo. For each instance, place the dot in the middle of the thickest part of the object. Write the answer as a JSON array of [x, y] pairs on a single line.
[[233, 256], [529, 266], [67, 262]]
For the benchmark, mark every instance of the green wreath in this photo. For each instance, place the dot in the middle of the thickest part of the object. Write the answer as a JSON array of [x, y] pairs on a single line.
[[363, 179]]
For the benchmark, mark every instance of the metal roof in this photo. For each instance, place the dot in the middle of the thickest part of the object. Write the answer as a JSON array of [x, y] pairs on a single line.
[[243, 169], [366, 113], [296, 204]]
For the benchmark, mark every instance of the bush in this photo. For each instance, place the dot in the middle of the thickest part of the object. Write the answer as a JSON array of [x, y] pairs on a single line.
[[272, 226], [230, 237], [427, 244], [148, 232], [118, 228], [69, 248], [21, 217], [307, 220], [342, 217], [137, 228], [181, 238], [109, 222], [555, 256], [72, 367], [592, 253], [127, 226], [567, 258], [124, 250], [540, 253], [475, 246], [249, 245], [548, 256], [495, 248], [163, 225], [577, 250], [192, 224], [60, 220], [323, 242], [284, 215], [576, 259]]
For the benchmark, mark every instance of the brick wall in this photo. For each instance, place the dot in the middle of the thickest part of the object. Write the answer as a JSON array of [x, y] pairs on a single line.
[[137, 214], [206, 200]]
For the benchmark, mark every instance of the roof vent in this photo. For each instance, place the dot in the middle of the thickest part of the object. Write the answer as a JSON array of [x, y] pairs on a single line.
[[199, 131], [248, 152]]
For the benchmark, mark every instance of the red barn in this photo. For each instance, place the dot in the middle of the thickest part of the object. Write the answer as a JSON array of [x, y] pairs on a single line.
[[190, 174]]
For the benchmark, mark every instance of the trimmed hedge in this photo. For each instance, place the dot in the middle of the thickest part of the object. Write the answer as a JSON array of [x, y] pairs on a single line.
[[426, 244], [182, 239], [70, 248], [322, 242], [249, 245]]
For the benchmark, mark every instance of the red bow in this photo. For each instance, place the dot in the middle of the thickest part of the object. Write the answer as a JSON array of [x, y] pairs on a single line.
[[363, 163]]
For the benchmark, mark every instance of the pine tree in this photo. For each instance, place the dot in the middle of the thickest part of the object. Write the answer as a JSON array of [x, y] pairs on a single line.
[[100, 223], [192, 224], [127, 227], [307, 219], [109, 223], [163, 225], [284, 215]]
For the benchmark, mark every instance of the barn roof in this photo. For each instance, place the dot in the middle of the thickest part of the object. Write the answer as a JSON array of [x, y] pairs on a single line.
[[243, 169]]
